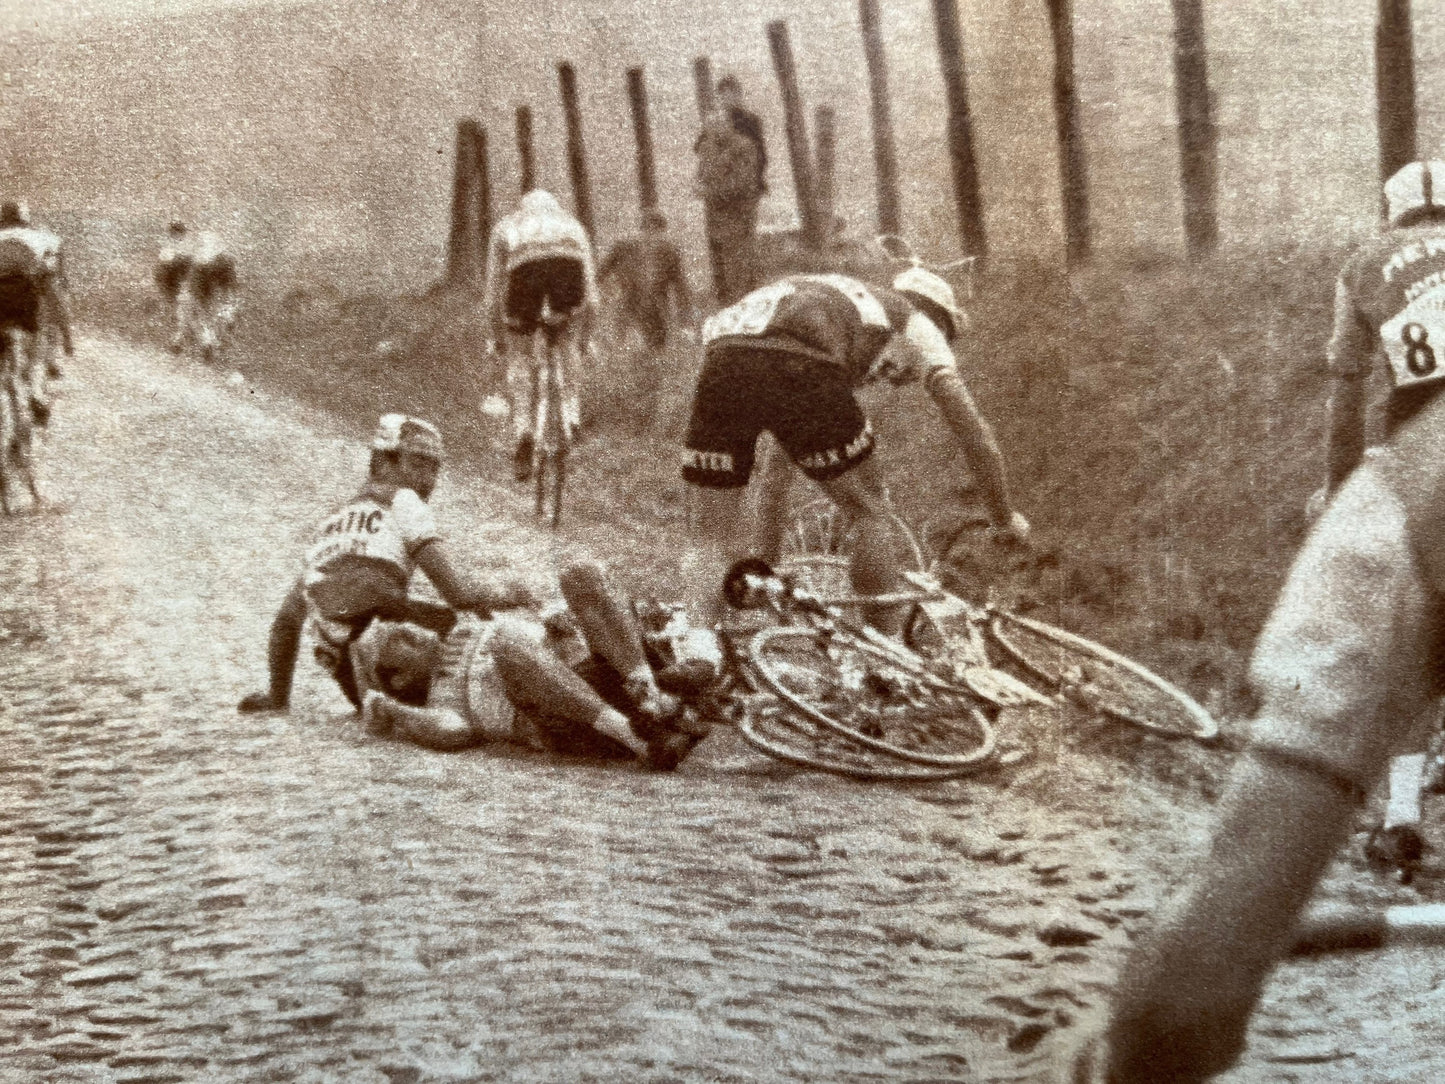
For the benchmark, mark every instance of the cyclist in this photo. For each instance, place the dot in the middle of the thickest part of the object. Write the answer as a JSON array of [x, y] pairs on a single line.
[[1348, 660], [33, 299], [579, 681], [196, 274], [788, 358], [361, 561], [539, 258], [652, 285], [172, 270]]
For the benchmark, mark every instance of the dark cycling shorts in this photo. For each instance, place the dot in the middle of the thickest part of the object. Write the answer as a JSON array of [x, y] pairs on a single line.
[[20, 299], [215, 276], [170, 275], [808, 405], [558, 280]]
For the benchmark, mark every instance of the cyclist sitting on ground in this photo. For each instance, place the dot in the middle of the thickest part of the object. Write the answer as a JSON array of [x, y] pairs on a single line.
[[33, 298], [361, 561], [788, 358], [1348, 660], [540, 258], [578, 682]]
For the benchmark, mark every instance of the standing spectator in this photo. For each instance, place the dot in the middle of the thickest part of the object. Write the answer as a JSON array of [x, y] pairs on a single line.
[[731, 178], [652, 287]]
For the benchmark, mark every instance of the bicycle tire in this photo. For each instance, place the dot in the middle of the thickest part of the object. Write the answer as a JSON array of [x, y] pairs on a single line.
[[1101, 679], [844, 683], [820, 528], [788, 736]]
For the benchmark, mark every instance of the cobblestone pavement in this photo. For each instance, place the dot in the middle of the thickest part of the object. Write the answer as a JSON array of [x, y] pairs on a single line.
[[190, 895]]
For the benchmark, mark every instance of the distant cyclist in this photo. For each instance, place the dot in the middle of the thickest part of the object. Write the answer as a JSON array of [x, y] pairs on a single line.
[[196, 275], [652, 292], [361, 560], [1349, 659], [540, 258], [33, 301], [788, 359], [580, 681]]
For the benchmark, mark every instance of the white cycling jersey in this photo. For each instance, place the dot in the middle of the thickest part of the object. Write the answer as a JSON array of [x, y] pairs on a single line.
[[40, 246], [538, 230]]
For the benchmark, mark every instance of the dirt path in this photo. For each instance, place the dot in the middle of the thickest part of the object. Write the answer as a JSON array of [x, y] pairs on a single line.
[[188, 895]]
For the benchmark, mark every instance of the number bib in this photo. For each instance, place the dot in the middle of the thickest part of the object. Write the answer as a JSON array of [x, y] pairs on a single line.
[[751, 315], [1413, 338]]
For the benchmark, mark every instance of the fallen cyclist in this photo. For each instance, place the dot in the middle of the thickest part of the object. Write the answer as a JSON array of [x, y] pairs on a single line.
[[360, 563], [580, 681]]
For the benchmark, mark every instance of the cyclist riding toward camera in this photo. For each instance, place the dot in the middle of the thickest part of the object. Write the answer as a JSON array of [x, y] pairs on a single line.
[[540, 262], [358, 567], [788, 359]]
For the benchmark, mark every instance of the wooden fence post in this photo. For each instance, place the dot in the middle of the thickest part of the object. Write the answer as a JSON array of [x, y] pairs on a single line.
[[1073, 174], [800, 152], [526, 154], [576, 151], [960, 130], [885, 149], [1395, 85], [461, 241], [483, 201], [642, 134], [702, 83], [1198, 162], [825, 127]]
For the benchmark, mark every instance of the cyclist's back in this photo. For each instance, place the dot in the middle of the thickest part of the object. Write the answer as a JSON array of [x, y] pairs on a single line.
[[539, 253]]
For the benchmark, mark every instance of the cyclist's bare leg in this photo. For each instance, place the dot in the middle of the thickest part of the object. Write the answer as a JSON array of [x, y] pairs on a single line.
[[185, 306], [538, 682], [611, 632], [775, 483], [875, 568], [717, 513]]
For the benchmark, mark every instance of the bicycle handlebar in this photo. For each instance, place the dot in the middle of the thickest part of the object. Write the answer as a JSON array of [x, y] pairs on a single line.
[[1356, 929]]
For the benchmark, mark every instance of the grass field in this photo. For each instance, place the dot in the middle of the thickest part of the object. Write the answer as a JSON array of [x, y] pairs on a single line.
[[1163, 424]]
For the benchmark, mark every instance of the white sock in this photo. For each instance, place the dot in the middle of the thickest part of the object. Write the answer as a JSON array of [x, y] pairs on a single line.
[[1407, 776], [616, 725]]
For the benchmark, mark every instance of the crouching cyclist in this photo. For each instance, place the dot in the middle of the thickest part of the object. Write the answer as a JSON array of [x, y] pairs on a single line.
[[361, 560], [540, 261], [581, 681]]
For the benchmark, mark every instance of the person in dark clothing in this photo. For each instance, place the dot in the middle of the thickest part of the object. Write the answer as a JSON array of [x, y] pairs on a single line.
[[732, 177]]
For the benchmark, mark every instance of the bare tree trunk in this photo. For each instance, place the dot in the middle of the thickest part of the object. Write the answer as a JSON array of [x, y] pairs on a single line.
[[1395, 85], [1073, 174], [462, 241], [960, 130], [825, 127], [885, 149], [799, 149], [526, 155], [642, 133], [576, 151], [1197, 143], [702, 83]]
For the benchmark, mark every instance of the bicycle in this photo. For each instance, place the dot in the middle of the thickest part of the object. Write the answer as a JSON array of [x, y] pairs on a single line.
[[17, 426], [986, 644], [551, 431]]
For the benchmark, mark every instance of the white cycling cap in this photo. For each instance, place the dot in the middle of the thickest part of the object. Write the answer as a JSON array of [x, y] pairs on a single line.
[[1416, 189], [402, 433]]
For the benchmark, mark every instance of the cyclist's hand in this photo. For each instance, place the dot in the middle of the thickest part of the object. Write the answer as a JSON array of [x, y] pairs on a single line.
[[255, 703], [1315, 506]]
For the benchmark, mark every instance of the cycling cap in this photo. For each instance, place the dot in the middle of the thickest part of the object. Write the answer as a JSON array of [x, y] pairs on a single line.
[[933, 296], [400, 433], [540, 202], [1417, 190], [14, 213]]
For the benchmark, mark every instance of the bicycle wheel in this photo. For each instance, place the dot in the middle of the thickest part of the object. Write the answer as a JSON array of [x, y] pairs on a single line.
[[872, 696], [1101, 679], [786, 735], [820, 528]]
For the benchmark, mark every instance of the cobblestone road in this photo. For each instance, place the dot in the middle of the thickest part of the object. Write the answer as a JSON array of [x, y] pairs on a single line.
[[189, 895]]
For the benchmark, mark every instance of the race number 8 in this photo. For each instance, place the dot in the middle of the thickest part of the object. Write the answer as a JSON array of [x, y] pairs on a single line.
[[1419, 354]]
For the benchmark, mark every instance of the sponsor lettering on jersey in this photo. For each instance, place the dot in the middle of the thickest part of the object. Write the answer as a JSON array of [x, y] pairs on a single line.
[[716, 462], [836, 457], [1412, 252]]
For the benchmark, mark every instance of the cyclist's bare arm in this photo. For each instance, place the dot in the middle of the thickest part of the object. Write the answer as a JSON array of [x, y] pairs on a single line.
[[463, 592], [59, 298], [976, 437], [1186, 993], [281, 648]]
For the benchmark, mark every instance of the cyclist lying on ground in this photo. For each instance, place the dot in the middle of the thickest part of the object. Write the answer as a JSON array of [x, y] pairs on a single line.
[[789, 359], [580, 682], [359, 565], [1347, 662]]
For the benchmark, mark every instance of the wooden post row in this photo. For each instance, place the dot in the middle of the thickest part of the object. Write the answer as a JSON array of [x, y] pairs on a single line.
[[1395, 85], [642, 134], [482, 174], [1197, 151], [960, 130], [800, 153], [885, 152], [1073, 173], [526, 154], [576, 151]]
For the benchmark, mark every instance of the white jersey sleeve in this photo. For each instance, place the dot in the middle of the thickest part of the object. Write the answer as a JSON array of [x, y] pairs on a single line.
[[414, 520], [932, 344]]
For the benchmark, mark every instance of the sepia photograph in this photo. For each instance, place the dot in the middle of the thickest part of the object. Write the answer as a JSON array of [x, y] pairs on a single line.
[[827, 541]]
